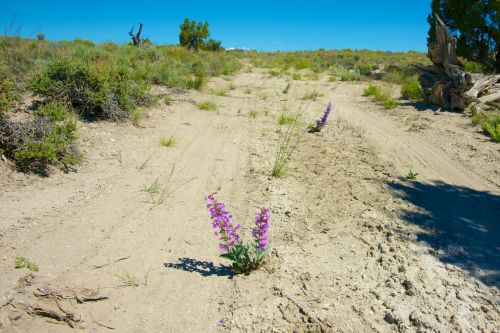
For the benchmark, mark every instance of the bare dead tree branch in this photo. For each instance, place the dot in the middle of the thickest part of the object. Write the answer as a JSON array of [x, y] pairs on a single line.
[[136, 39]]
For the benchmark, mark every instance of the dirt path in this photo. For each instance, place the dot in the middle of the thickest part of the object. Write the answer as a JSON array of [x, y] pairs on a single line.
[[402, 150], [347, 230]]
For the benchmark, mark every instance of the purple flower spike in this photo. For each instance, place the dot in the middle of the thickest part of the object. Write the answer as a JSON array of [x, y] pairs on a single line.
[[222, 223], [322, 122], [261, 229]]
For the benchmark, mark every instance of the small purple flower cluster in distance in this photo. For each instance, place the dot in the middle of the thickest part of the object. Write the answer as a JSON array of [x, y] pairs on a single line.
[[322, 122], [261, 229], [223, 224]]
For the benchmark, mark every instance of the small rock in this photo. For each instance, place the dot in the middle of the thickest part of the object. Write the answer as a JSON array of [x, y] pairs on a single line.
[[409, 288], [419, 320], [391, 318]]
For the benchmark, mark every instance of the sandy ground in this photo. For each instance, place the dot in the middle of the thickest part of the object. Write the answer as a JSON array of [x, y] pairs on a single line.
[[356, 246]]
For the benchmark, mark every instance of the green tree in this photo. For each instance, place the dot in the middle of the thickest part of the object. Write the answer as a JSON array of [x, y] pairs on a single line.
[[193, 34], [213, 45], [475, 23]]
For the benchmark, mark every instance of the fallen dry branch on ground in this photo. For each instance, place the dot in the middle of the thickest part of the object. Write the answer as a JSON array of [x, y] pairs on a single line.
[[81, 295], [102, 325], [446, 83], [62, 315], [109, 263]]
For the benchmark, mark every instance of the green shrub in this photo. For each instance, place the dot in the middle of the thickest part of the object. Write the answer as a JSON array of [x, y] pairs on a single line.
[[274, 73], [344, 74], [199, 70], [411, 90], [399, 74], [473, 67], [37, 144], [8, 91], [371, 90], [364, 69], [93, 91], [55, 111], [490, 125], [381, 96], [389, 103], [302, 63], [38, 155]]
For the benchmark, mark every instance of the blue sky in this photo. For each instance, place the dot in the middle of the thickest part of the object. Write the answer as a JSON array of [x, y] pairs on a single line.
[[394, 25]]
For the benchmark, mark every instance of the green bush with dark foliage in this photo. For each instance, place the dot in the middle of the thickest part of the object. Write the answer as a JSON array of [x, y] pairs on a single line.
[[36, 144], [8, 92], [55, 111], [411, 90], [93, 92]]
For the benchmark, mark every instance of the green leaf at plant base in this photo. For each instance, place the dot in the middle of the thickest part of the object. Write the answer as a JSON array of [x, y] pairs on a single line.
[[229, 256]]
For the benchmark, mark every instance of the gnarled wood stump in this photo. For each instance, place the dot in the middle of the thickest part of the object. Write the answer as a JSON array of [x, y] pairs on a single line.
[[446, 83]]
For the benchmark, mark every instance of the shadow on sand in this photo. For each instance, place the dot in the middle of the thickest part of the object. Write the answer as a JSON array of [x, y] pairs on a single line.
[[203, 268], [461, 224]]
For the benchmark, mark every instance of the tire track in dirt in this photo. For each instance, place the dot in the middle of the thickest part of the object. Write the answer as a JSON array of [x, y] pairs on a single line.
[[119, 223], [404, 151]]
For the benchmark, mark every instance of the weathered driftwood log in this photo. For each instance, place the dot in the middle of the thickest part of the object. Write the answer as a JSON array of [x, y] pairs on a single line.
[[136, 39], [446, 83]]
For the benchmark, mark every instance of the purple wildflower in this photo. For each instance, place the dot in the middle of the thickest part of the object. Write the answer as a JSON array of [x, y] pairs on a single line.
[[222, 222], [261, 229], [322, 122]]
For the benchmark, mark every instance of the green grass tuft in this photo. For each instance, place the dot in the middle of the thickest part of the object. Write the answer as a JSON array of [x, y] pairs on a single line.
[[207, 106], [411, 175], [381, 96], [168, 142], [22, 262], [490, 124], [411, 90]]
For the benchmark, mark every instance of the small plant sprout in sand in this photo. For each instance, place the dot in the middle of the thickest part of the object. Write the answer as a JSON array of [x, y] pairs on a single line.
[[316, 127], [22, 262], [135, 117], [245, 257], [412, 175], [168, 142], [207, 106], [119, 158], [144, 164], [283, 119], [288, 140], [158, 192], [128, 280], [152, 189]]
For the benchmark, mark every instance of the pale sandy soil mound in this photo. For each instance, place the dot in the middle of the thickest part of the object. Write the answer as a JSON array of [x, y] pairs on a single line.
[[356, 246]]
